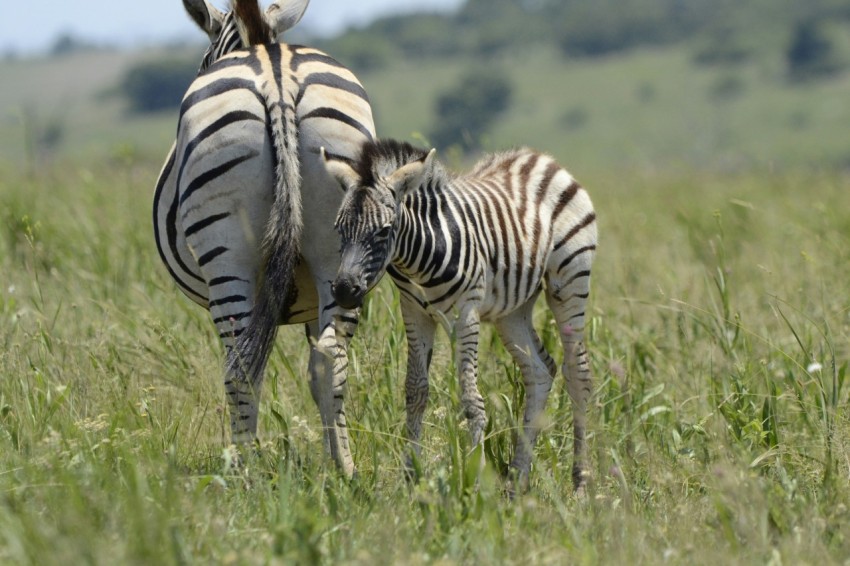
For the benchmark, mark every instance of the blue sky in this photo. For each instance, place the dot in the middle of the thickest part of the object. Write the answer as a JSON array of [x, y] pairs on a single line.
[[32, 26]]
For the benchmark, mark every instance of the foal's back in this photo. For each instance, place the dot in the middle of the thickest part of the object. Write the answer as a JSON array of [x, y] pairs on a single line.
[[532, 216]]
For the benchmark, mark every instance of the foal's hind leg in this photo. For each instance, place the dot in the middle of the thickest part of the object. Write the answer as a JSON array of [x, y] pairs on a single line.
[[568, 287], [537, 367]]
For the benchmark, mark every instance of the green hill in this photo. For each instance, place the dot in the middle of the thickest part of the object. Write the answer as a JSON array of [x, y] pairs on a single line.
[[721, 85], [67, 107], [647, 108]]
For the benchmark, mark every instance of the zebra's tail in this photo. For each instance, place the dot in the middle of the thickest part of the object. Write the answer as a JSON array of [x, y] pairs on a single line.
[[280, 246]]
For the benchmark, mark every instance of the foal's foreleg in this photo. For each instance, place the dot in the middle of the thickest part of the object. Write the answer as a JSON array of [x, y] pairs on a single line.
[[329, 342], [420, 329], [467, 330]]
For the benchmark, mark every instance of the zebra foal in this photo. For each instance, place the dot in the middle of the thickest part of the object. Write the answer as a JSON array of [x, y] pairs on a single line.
[[469, 248], [243, 209]]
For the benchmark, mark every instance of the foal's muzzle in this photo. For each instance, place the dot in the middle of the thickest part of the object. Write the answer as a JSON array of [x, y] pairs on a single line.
[[348, 292], [350, 286]]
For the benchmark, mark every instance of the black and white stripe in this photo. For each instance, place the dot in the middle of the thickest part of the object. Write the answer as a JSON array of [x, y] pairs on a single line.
[[243, 209], [469, 248]]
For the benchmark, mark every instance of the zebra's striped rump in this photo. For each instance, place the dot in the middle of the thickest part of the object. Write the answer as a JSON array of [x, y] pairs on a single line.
[[479, 246], [241, 213]]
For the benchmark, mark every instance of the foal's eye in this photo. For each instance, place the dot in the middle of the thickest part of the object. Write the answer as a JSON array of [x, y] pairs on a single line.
[[383, 232]]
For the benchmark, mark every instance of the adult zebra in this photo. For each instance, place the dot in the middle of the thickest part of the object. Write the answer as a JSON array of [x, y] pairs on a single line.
[[233, 196], [475, 247]]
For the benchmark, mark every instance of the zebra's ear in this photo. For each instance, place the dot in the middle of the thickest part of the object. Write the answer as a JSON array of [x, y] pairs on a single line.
[[344, 174], [284, 14], [409, 177], [207, 16]]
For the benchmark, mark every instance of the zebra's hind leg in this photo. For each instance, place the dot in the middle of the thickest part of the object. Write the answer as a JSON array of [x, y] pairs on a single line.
[[244, 366], [567, 292], [242, 386], [536, 366], [420, 329], [312, 331]]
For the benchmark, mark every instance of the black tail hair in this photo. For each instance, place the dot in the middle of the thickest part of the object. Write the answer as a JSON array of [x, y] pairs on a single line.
[[252, 25]]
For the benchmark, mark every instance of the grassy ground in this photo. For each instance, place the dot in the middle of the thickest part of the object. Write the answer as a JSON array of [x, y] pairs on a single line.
[[719, 343], [719, 427]]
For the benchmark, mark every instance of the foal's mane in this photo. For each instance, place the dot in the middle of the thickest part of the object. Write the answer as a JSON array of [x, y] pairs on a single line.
[[379, 158]]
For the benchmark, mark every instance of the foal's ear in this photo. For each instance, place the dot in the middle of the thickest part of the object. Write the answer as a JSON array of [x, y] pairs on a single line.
[[409, 177], [207, 16], [344, 174], [284, 14]]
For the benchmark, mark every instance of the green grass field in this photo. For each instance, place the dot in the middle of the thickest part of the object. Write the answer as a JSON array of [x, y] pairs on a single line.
[[719, 341], [715, 437]]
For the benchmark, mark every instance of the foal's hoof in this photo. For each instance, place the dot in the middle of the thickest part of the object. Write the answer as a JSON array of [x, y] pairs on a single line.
[[412, 470], [517, 482], [581, 480]]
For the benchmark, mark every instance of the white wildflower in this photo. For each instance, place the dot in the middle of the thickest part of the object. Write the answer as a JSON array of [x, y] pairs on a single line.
[[230, 459], [814, 367], [96, 424], [301, 429]]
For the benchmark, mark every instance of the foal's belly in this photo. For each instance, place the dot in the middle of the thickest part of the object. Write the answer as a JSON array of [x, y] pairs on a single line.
[[497, 301]]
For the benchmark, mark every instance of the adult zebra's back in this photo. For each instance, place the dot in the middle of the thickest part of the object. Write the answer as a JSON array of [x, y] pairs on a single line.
[[243, 209]]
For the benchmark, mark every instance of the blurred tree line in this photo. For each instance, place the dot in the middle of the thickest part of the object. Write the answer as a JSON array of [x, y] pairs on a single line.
[[808, 38], [158, 84], [804, 37], [589, 28]]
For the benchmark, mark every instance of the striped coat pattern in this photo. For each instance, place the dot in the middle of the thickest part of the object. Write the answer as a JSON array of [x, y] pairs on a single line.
[[470, 248], [243, 208]]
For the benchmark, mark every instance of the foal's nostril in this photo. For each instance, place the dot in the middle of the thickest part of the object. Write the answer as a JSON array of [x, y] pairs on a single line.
[[347, 294]]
